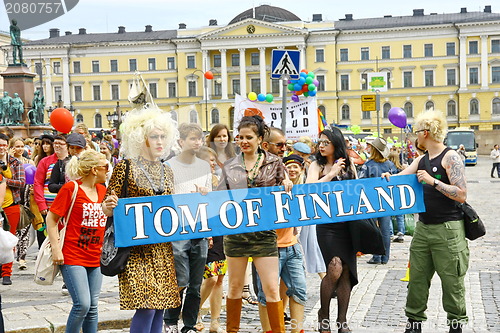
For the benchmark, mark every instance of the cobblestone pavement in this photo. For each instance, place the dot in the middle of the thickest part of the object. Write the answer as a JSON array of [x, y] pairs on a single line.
[[377, 302]]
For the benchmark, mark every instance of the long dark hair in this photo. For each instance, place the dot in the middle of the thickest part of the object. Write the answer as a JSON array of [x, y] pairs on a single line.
[[338, 141], [256, 123], [229, 150]]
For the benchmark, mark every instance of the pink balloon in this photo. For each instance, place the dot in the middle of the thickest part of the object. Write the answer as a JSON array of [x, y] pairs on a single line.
[[397, 117], [29, 173]]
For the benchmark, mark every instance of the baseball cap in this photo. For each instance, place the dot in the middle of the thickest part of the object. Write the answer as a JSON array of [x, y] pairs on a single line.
[[301, 147], [76, 139]]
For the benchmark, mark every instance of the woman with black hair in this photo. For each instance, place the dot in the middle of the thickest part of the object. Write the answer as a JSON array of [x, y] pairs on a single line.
[[334, 239], [254, 167]]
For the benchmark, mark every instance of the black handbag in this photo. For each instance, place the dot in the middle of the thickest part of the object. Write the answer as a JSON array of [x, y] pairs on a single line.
[[114, 259], [366, 236], [474, 227]]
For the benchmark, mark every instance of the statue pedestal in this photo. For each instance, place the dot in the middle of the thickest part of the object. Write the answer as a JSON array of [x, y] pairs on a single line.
[[31, 131], [18, 79]]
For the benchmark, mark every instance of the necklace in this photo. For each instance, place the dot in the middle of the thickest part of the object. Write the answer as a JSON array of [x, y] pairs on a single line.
[[161, 187], [252, 173]]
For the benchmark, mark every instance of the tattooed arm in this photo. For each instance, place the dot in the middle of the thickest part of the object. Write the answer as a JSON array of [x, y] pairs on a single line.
[[455, 169]]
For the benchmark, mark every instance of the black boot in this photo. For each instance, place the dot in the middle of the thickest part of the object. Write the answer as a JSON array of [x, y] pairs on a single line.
[[413, 326]]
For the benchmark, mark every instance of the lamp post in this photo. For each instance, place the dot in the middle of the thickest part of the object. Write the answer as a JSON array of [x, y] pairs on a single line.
[[208, 75], [377, 91], [115, 119]]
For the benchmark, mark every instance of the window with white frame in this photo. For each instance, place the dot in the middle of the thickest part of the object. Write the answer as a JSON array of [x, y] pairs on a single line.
[[57, 67], [191, 61], [98, 120], [152, 64], [132, 65], [495, 74], [95, 66], [192, 88], [193, 116], [429, 78], [217, 60], [450, 49], [344, 54], [474, 106], [173, 114], [386, 108], [172, 90], [96, 92], [77, 68], [254, 58], [255, 85], [386, 52], [408, 107], [77, 93], [170, 62], [235, 59], [428, 50], [113, 64], [153, 89], [364, 81], [495, 109], [217, 88], [79, 118], [407, 52], [473, 75], [365, 53], [451, 108], [320, 55], [429, 105], [473, 47], [495, 46], [366, 115], [115, 92], [214, 115], [321, 80], [346, 114], [57, 93], [275, 86], [451, 77], [407, 79], [344, 82]]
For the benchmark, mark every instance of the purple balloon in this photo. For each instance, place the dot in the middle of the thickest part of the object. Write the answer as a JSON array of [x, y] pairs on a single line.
[[316, 82], [397, 117], [29, 173], [295, 98]]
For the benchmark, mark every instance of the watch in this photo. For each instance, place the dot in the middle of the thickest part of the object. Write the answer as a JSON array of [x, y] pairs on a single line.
[[435, 183]]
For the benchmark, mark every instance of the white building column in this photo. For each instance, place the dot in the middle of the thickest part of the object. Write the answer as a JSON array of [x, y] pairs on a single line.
[[243, 73], [223, 74], [66, 88], [262, 70], [48, 93], [204, 67], [484, 61], [463, 63], [302, 64]]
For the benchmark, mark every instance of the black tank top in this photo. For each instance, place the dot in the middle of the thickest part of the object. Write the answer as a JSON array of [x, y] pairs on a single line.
[[438, 207]]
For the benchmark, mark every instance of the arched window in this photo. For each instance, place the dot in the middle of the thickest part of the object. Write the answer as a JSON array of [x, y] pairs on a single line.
[[474, 106], [346, 115], [496, 106], [451, 108], [98, 120], [386, 108], [231, 117], [429, 105], [215, 116], [409, 109], [193, 116], [173, 114], [79, 118]]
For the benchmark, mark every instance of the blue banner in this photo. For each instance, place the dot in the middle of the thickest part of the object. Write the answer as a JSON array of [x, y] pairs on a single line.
[[158, 219]]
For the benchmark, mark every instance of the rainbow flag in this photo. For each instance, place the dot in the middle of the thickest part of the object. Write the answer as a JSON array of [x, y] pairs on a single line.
[[321, 121]]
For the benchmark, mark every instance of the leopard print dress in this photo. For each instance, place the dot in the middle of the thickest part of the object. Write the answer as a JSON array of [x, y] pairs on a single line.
[[149, 280]]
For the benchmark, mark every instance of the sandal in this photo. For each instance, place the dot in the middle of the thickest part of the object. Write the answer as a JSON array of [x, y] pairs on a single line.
[[250, 300], [199, 326]]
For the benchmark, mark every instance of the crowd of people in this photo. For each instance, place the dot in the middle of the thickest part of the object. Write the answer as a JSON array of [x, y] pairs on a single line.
[[82, 177]]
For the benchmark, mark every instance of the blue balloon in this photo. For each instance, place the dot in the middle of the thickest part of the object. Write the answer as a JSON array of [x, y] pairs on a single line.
[[303, 74], [297, 87], [261, 97], [302, 81], [312, 93]]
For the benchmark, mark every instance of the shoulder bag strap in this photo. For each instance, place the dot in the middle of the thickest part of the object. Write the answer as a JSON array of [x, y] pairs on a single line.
[[73, 199], [124, 192]]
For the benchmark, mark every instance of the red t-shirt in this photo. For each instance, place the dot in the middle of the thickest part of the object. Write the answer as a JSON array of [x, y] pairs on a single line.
[[85, 231]]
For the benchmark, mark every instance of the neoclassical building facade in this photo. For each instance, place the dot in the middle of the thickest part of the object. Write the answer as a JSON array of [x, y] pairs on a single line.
[[449, 62]]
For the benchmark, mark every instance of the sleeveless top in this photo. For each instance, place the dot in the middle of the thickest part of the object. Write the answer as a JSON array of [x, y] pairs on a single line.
[[438, 207]]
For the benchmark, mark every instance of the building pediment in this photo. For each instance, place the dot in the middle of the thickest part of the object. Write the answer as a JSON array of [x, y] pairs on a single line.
[[250, 28]]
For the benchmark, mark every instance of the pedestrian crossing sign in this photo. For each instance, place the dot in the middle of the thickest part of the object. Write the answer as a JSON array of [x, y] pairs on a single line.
[[285, 62]]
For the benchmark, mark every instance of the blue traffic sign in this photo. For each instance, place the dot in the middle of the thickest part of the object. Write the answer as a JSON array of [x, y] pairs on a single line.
[[285, 62]]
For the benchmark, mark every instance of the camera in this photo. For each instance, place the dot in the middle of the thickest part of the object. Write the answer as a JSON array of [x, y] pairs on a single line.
[[3, 165]]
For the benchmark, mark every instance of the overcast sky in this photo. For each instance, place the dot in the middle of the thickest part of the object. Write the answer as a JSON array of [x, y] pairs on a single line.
[[99, 16]]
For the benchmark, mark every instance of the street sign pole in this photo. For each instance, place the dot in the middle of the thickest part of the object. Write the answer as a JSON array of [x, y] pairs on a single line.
[[377, 103], [284, 79]]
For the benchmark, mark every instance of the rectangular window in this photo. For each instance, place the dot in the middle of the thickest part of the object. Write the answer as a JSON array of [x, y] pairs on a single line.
[[450, 49], [474, 127], [96, 91], [496, 127], [57, 93], [321, 80], [115, 92], [254, 59], [344, 82], [236, 86], [473, 47], [191, 61], [386, 52], [495, 46], [344, 54], [320, 55], [192, 88], [407, 51], [132, 65], [473, 75], [78, 93], [77, 67], [217, 89], [170, 63], [365, 53], [429, 78], [152, 64], [428, 50], [275, 86], [495, 74], [95, 66], [235, 59], [113, 64], [172, 90], [57, 67], [217, 60], [407, 79], [364, 81], [451, 77], [255, 85], [153, 89], [366, 115]]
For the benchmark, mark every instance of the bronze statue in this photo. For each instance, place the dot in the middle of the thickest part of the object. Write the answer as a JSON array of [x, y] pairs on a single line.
[[6, 108], [17, 110], [15, 41], [38, 106]]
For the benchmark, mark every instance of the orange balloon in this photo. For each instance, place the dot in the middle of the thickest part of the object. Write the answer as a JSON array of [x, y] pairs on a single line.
[[209, 75], [62, 120]]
